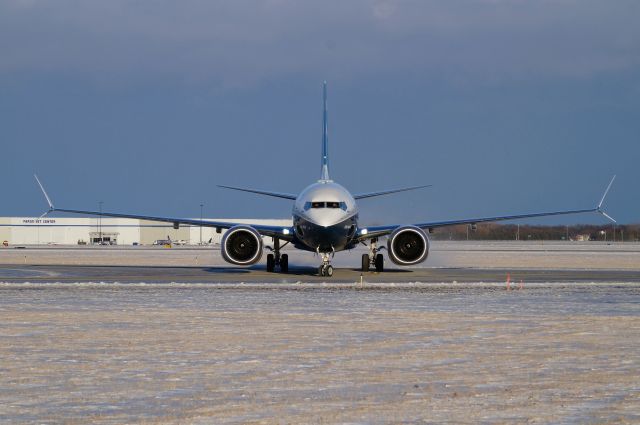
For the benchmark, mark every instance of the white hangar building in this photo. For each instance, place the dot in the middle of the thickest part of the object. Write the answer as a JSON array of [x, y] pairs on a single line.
[[116, 231]]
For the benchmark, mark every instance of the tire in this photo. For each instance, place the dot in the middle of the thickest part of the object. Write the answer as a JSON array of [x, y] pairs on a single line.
[[284, 263], [329, 271], [271, 263], [365, 262], [379, 263], [321, 271]]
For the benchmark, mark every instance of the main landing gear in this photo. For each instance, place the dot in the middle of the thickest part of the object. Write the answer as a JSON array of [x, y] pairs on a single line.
[[373, 258], [325, 269], [276, 259]]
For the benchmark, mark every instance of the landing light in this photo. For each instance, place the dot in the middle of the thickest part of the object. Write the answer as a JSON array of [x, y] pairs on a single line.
[[364, 231], [285, 231]]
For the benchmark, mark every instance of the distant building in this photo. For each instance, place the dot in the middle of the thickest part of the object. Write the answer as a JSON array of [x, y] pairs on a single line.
[[583, 238], [115, 231]]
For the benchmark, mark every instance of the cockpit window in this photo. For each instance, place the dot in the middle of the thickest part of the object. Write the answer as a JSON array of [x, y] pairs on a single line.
[[331, 204]]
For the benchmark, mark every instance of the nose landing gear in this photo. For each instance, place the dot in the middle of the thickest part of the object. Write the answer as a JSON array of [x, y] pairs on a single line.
[[325, 269]]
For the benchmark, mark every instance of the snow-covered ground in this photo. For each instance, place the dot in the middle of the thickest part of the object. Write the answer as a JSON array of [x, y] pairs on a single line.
[[201, 355]]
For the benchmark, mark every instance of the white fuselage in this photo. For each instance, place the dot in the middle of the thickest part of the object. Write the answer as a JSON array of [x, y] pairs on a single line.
[[325, 218]]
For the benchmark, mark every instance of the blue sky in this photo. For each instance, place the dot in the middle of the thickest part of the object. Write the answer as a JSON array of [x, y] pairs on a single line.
[[504, 106]]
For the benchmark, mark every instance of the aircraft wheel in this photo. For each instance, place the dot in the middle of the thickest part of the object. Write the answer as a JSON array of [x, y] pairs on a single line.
[[365, 262], [329, 271], [284, 263], [379, 263], [321, 271], [271, 263]]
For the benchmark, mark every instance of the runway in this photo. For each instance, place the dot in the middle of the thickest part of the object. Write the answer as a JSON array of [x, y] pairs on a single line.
[[228, 276], [465, 262]]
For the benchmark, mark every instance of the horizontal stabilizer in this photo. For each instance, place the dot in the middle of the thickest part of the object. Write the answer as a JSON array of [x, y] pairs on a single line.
[[387, 192], [262, 192]]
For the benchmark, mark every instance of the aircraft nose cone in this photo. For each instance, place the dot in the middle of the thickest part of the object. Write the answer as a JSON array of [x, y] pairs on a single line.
[[326, 218]]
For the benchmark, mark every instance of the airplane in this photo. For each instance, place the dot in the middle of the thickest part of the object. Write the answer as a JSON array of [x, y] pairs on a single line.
[[325, 221]]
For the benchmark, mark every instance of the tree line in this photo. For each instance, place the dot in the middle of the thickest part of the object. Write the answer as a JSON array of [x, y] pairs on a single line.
[[493, 231]]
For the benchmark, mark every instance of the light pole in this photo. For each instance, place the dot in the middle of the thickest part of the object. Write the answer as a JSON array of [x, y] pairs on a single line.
[[100, 223], [201, 205]]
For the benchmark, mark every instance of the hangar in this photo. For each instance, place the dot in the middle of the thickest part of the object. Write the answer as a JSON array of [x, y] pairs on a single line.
[[112, 231]]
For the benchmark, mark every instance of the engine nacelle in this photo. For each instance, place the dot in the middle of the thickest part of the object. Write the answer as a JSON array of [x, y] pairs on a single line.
[[242, 245], [408, 245]]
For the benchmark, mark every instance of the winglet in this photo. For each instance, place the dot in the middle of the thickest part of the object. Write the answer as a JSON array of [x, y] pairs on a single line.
[[606, 191], [44, 192], [599, 207]]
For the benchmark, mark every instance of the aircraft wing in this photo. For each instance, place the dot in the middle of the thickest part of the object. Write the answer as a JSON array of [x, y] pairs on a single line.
[[378, 231], [281, 232]]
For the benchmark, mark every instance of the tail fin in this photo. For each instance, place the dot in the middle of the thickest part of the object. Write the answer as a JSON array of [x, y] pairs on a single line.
[[325, 138]]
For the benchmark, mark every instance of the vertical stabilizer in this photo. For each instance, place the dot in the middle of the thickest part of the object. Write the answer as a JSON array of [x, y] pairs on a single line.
[[325, 137]]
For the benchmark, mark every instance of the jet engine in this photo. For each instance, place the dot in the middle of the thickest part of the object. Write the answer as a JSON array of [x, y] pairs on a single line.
[[242, 245], [408, 245]]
